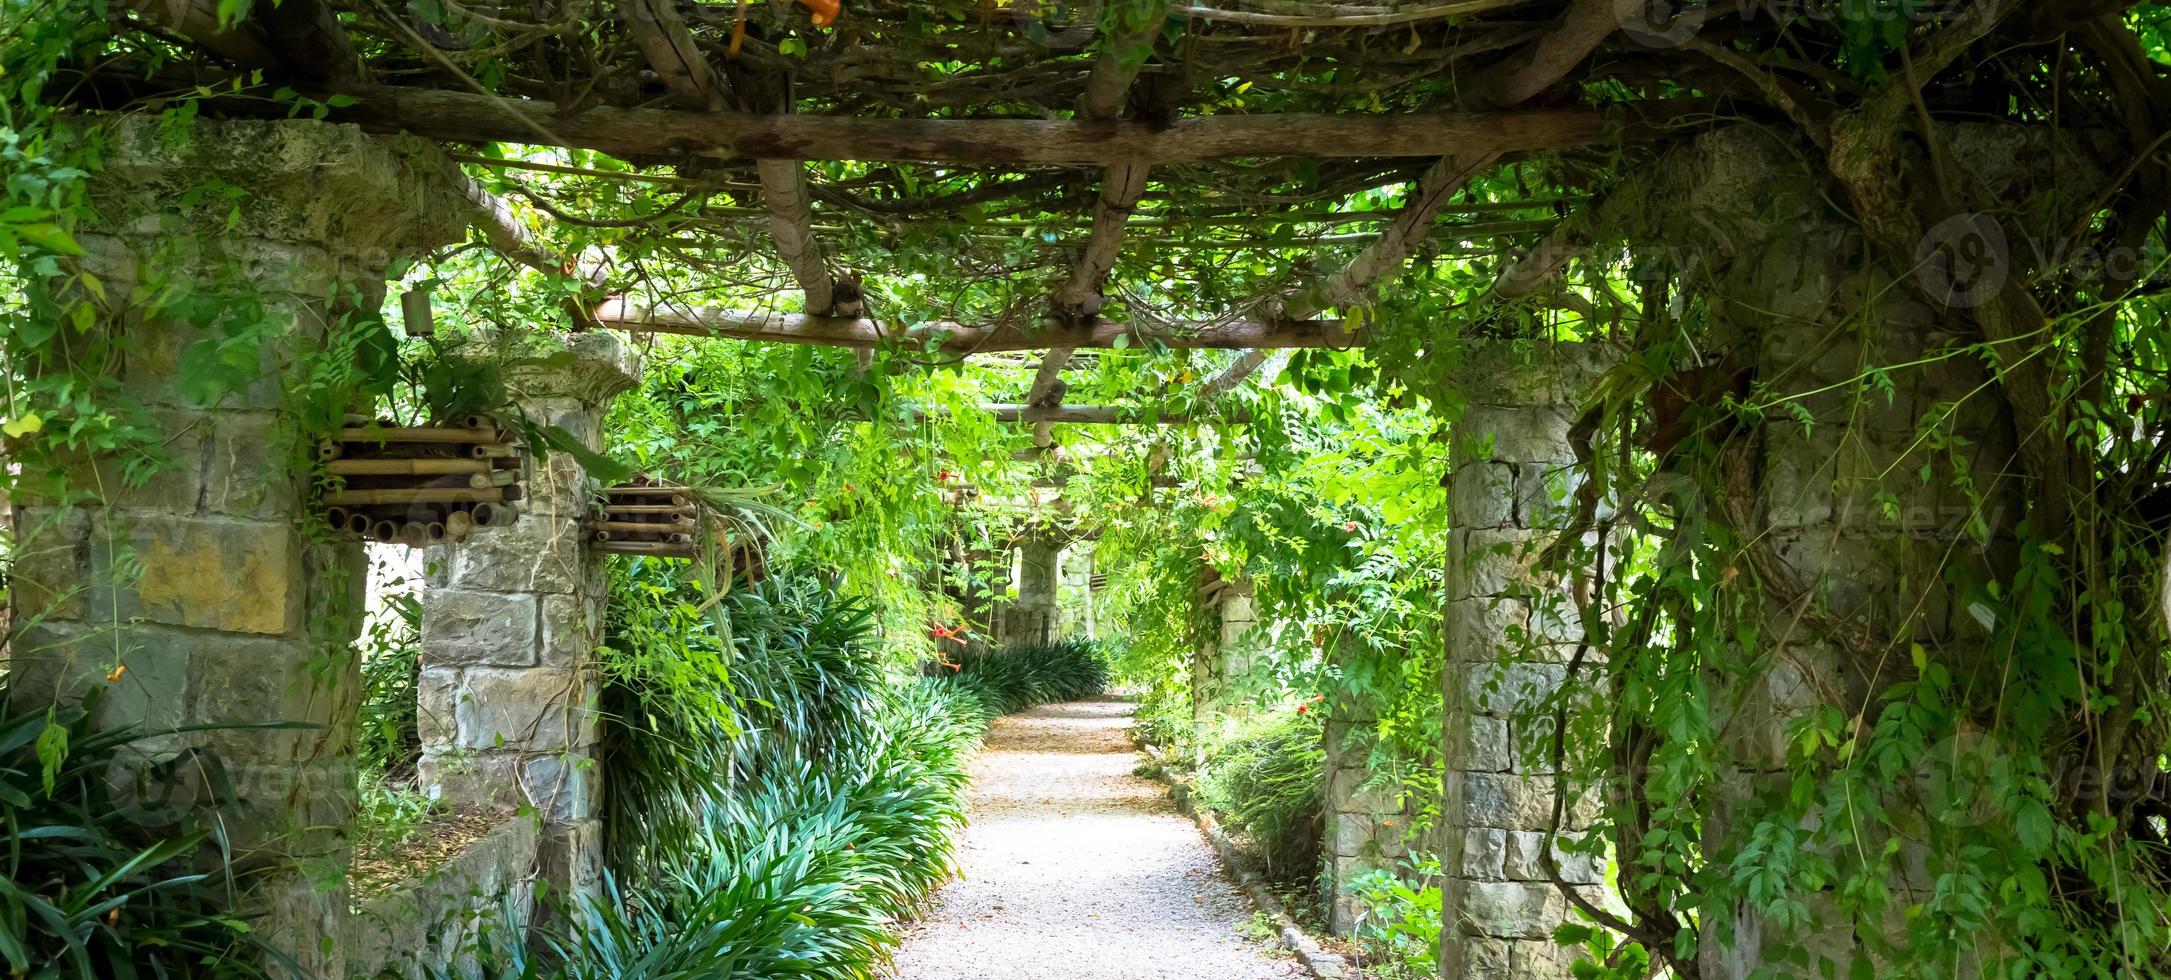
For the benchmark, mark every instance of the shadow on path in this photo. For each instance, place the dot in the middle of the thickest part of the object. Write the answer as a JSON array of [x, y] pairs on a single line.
[[1074, 868]]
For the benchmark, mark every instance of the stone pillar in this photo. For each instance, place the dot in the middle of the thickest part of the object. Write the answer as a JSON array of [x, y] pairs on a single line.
[[511, 620], [1226, 610], [1509, 637], [1367, 826], [200, 596], [1032, 618], [1861, 507]]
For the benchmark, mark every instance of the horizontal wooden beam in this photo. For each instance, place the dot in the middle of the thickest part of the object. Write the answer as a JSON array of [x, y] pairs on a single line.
[[957, 338], [1106, 415], [625, 132]]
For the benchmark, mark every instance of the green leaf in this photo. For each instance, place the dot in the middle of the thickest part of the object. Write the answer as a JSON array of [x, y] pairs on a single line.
[[603, 468]]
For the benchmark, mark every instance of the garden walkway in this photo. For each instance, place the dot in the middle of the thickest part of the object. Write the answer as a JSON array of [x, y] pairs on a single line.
[[1076, 869]]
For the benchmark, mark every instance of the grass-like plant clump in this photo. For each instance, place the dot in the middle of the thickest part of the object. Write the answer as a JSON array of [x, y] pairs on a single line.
[[1014, 678], [89, 887], [1265, 782]]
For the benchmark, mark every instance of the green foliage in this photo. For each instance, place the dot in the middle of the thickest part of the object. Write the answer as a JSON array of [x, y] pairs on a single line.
[[388, 816], [1265, 783], [388, 741], [802, 871], [1400, 925], [1015, 678], [87, 892]]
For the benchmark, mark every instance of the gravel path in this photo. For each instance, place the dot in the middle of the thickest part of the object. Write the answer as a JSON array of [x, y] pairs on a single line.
[[1076, 869]]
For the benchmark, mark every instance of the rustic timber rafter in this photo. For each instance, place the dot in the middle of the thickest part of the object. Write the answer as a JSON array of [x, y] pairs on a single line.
[[670, 49], [1103, 415], [955, 338], [1079, 299], [639, 132]]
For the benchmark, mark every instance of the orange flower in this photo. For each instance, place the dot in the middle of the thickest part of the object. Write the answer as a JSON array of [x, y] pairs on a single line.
[[118, 670], [825, 11]]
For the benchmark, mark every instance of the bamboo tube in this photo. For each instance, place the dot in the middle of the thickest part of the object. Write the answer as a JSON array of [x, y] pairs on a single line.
[[648, 548], [458, 523], [509, 493], [358, 522], [404, 467], [384, 531], [639, 527], [675, 502], [336, 517], [481, 422], [413, 495], [644, 491], [494, 450], [495, 514], [329, 449], [684, 510], [414, 534], [492, 478], [601, 535], [430, 433], [435, 530], [680, 538]]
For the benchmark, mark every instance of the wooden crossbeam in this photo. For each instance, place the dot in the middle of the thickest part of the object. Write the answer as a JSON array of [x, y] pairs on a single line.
[[469, 117], [956, 338], [669, 48], [1102, 415]]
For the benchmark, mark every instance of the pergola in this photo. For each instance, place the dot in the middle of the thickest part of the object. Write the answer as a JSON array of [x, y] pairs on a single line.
[[1164, 175], [1113, 115]]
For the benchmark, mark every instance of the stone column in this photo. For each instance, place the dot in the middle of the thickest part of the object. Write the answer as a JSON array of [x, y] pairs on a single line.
[[1032, 618], [201, 596], [511, 620], [1367, 827], [1509, 636], [1227, 611]]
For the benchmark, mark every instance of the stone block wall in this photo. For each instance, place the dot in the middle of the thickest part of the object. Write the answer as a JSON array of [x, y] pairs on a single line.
[[1032, 617], [198, 597], [427, 926], [1228, 612], [1367, 826], [1509, 636], [511, 619]]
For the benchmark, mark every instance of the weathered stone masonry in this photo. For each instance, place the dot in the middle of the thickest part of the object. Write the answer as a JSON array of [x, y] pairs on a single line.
[[1509, 637], [197, 598], [511, 620]]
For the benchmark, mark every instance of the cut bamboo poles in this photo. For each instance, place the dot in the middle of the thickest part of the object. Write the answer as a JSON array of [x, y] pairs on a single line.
[[647, 517], [419, 485]]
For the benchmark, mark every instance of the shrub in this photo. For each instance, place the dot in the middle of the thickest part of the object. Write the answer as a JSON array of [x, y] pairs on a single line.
[[388, 740], [802, 871], [1400, 927], [1015, 678], [84, 890], [697, 692], [1266, 781]]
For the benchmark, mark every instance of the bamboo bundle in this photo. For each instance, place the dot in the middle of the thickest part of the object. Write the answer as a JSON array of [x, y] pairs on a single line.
[[646, 517], [420, 485]]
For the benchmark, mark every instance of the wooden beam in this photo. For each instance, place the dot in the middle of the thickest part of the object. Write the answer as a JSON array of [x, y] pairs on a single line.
[[1229, 377], [1048, 390], [1122, 184], [791, 227], [956, 338], [1413, 221], [1547, 60], [1102, 415], [669, 48], [467, 117]]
